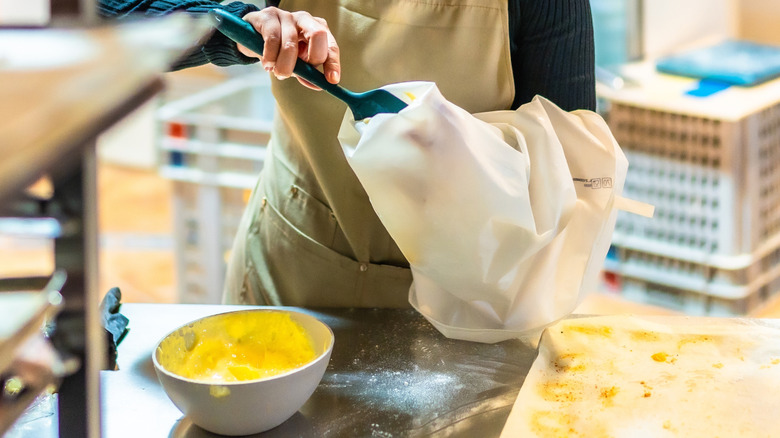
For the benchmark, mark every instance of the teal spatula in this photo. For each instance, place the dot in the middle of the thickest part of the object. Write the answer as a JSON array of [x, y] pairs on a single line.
[[366, 104]]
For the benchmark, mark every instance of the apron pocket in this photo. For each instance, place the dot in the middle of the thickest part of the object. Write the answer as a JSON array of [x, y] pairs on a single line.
[[293, 269], [305, 212]]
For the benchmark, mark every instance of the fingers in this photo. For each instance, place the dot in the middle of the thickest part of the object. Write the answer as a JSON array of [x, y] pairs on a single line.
[[286, 50], [332, 65], [268, 25], [289, 36], [314, 31], [321, 47]]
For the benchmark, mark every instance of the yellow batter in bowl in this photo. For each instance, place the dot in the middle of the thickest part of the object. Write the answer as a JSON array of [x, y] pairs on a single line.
[[236, 347], [245, 371]]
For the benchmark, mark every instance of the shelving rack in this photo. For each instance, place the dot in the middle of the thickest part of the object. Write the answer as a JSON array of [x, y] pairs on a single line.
[[52, 111]]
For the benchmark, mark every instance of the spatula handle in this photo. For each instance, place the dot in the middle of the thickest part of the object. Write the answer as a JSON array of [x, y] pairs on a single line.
[[244, 33]]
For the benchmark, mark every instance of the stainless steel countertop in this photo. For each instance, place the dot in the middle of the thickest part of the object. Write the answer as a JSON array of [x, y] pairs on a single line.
[[391, 374]]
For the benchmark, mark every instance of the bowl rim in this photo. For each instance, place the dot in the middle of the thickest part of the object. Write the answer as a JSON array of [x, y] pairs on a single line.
[[308, 364]]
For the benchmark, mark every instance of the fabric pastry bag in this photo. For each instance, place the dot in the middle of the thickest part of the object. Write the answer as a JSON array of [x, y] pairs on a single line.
[[505, 217]]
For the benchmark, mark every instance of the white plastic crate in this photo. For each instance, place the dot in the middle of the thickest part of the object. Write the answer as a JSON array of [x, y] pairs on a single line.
[[688, 302], [206, 219], [212, 144], [715, 184], [711, 167], [691, 287]]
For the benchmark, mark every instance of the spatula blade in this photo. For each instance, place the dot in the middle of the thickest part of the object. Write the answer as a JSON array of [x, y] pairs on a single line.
[[373, 102]]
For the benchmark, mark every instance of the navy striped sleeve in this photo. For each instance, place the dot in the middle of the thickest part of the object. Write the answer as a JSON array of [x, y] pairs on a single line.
[[218, 49]]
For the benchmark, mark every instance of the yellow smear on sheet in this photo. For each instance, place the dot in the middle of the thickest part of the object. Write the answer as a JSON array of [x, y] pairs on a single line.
[[237, 348], [603, 331], [570, 362], [664, 357]]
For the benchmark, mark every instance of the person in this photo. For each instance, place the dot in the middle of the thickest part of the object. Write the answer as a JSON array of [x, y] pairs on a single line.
[[309, 236]]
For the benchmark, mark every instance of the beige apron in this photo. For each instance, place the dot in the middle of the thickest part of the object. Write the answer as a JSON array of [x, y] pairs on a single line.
[[309, 236]]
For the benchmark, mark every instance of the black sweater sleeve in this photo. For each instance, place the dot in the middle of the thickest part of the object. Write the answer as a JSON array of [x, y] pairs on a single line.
[[218, 49], [551, 42]]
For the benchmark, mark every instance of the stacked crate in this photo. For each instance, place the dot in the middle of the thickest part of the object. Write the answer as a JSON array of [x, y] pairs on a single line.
[[212, 145], [711, 167]]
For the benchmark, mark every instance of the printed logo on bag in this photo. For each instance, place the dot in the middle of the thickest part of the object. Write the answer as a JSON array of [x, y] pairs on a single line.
[[595, 183]]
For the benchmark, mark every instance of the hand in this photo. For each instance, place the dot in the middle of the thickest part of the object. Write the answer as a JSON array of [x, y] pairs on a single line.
[[292, 35]]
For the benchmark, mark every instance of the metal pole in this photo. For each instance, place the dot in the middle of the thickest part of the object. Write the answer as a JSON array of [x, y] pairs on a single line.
[[78, 328]]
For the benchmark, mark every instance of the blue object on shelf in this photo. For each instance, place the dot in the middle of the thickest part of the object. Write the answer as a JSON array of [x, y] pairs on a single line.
[[612, 253], [707, 87], [733, 62], [177, 158]]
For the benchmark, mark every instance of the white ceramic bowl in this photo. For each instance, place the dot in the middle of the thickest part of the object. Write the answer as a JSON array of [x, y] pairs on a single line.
[[250, 406]]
